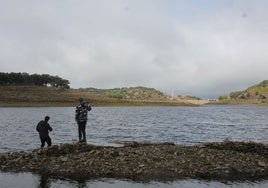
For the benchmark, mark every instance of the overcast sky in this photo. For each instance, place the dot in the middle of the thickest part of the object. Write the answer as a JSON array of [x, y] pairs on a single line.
[[202, 48]]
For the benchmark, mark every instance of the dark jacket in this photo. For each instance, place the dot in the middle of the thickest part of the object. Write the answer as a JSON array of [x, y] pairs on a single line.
[[43, 128], [81, 112]]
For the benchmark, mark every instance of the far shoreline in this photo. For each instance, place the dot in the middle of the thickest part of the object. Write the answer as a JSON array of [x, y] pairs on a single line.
[[101, 104], [124, 104]]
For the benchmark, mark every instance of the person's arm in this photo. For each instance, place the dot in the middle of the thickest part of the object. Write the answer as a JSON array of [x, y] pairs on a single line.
[[49, 127], [37, 127], [89, 107], [76, 114]]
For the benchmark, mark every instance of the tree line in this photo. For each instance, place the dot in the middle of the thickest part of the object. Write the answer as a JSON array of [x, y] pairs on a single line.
[[33, 79]]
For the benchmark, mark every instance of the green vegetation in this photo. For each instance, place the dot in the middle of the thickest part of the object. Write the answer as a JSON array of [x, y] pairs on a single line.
[[259, 91], [254, 95], [131, 93], [33, 79], [223, 97], [115, 94], [192, 97], [235, 95]]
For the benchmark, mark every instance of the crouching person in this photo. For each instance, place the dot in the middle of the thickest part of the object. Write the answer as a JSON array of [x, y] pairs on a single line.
[[43, 128]]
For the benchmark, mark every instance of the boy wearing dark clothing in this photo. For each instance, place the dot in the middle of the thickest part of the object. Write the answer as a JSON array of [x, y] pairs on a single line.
[[81, 119], [43, 128]]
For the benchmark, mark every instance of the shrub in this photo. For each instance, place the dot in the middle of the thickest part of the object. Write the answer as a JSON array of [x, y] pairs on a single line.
[[223, 97]]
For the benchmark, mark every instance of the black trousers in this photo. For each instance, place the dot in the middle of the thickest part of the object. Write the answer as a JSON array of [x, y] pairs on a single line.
[[44, 140], [82, 130]]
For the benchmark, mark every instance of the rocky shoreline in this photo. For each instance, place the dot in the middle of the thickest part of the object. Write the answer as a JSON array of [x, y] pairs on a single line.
[[225, 160]]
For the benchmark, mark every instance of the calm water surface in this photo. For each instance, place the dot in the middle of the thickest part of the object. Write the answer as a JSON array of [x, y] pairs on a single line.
[[113, 125]]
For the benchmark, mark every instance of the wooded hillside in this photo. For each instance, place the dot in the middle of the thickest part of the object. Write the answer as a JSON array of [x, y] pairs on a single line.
[[256, 94], [258, 91], [7, 79]]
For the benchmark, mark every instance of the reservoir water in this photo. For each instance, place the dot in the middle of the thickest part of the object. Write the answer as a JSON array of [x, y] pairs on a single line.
[[114, 125]]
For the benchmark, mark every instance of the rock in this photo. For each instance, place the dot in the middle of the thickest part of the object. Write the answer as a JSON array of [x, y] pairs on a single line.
[[262, 164], [63, 159]]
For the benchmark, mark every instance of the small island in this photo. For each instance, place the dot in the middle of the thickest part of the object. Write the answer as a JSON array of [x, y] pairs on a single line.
[[225, 160]]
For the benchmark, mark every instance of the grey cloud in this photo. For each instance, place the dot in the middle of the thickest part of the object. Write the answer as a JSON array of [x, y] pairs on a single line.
[[218, 48]]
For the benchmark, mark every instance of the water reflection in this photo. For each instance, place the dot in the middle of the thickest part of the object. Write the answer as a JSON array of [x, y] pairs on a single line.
[[22, 180], [44, 182]]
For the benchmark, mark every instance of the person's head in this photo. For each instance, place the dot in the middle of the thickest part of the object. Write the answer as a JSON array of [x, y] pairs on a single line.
[[47, 118], [81, 100]]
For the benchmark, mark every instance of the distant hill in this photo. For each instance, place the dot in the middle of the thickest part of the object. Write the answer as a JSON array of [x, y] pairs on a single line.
[[256, 94], [23, 89], [50, 96], [258, 91], [128, 93]]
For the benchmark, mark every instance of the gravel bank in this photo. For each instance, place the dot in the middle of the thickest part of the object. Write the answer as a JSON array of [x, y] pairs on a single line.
[[144, 161]]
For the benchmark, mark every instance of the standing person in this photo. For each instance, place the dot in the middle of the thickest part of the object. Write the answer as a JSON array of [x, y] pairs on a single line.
[[81, 118], [43, 128]]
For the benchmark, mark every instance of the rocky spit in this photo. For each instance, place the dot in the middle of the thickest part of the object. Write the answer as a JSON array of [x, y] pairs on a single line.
[[225, 160]]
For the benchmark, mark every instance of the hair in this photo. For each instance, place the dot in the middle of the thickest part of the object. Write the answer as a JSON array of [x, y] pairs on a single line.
[[47, 118]]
